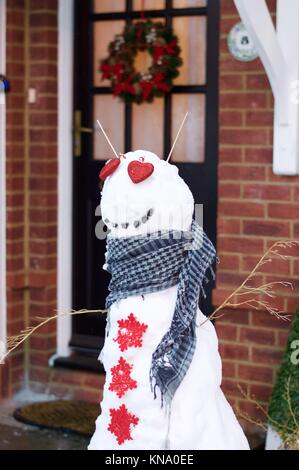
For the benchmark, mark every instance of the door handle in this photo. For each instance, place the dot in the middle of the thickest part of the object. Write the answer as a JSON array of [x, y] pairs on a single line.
[[78, 131]]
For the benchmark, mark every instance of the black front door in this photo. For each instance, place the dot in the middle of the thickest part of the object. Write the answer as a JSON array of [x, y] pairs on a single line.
[[148, 126]]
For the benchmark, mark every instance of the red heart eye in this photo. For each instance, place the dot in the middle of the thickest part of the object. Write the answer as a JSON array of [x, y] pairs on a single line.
[[139, 171], [109, 168]]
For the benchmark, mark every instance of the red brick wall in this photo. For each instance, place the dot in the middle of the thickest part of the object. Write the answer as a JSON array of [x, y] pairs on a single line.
[[42, 184], [32, 203], [255, 209]]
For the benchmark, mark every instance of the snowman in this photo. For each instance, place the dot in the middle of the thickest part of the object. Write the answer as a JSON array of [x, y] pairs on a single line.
[[163, 369]]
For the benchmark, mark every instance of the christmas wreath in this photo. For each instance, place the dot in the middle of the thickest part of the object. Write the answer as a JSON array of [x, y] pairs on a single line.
[[134, 86]]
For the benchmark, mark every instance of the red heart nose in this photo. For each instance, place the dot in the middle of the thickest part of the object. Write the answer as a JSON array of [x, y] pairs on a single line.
[[139, 171], [109, 168]]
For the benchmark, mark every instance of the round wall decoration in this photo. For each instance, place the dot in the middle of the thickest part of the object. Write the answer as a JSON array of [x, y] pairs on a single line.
[[131, 85], [240, 44]]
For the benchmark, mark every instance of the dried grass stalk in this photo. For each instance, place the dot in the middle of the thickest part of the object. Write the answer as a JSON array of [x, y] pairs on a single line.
[[289, 434]]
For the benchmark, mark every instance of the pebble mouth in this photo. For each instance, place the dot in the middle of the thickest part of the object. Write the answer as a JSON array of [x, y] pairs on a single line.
[[135, 224]]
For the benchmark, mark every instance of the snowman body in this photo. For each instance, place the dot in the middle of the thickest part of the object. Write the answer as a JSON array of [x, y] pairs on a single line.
[[199, 416]]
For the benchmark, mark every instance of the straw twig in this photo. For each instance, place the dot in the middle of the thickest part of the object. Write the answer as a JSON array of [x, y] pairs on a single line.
[[248, 296], [13, 342]]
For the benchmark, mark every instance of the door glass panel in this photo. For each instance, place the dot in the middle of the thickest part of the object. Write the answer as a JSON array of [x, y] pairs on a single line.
[[190, 146], [106, 6], [104, 32], [110, 111], [148, 126], [191, 32], [189, 3], [149, 4]]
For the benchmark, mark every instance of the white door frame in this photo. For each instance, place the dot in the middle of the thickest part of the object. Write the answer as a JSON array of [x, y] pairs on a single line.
[[65, 172], [3, 300]]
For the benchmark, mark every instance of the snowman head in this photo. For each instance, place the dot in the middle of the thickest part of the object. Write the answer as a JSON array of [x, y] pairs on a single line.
[[144, 194]]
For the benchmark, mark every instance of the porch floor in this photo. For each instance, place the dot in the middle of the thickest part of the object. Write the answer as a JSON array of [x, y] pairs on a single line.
[[32, 438], [18, 436]]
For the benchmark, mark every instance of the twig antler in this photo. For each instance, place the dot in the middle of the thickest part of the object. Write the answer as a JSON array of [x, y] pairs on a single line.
[[177, 136], [107, 138]]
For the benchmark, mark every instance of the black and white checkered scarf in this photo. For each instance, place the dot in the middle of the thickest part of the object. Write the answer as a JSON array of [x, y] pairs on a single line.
[[145, 264]]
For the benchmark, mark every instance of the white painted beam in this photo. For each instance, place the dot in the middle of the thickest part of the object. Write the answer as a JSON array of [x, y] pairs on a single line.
[[279, 52], [258, 22], [286, 138], [65, 172]]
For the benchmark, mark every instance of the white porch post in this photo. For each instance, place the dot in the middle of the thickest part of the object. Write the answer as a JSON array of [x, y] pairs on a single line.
[[2, 180], [286, 138], [65, 171], [278, 51]]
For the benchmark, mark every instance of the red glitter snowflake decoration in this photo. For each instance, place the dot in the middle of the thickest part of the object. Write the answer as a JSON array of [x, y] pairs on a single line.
[[121, 423], [121, 379], [130, 333]]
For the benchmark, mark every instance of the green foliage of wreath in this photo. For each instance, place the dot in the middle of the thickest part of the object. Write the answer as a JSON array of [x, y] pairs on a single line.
[[282, 417], [134, 86]]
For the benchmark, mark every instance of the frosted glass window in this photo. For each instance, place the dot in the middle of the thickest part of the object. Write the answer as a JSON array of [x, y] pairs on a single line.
[[190, 146], [104, 32], [189, 3], [148, 126], [191, 32], [106, 6], [110, 111], [149, 4]]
